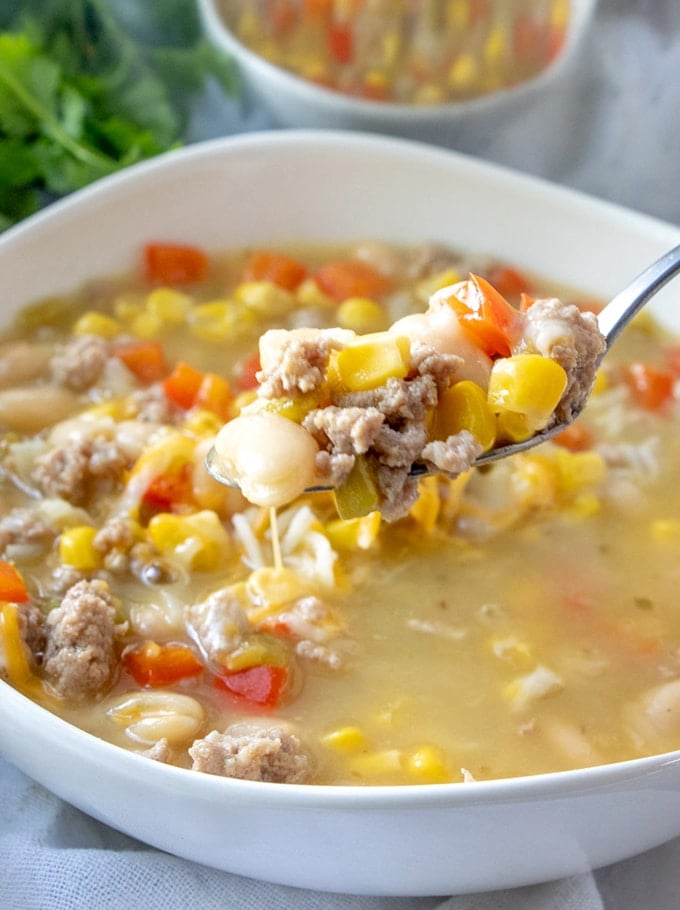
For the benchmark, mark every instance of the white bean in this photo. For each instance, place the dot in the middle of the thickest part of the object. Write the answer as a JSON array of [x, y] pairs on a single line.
[[27, 410], [149, 717], [21, 361], [271, 458]]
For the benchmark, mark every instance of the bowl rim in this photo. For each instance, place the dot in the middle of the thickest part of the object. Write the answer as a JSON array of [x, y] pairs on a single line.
[[581, 11], [559, 784]]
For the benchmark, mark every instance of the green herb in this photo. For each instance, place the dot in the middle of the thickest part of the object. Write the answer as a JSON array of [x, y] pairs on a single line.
[[88, 87]]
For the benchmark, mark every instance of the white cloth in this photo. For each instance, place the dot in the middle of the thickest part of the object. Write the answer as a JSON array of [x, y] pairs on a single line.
[[611, 128]]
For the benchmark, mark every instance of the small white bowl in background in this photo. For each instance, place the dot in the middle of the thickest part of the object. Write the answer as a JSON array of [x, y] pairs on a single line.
[[282, 187], [297, 102]]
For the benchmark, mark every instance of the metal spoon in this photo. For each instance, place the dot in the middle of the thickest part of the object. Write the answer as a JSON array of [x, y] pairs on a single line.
[[612, 319]]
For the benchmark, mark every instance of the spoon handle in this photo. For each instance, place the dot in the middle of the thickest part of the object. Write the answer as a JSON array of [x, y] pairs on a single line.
[[621, 309]]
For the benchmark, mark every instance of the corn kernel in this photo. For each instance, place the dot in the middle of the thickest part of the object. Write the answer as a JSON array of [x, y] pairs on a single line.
[[169, 305], [361, 315], [665, 529], [220, 320], [265, 298], [146, 325], [371, 360], [495, 47], [76, 548], [199, 540], [345, 739], [310, 294], [527, 384], [92, 323], [202, 423], [354, 533], [463, 73], [428, 764], [585, 505], [464, 406], [512, 427], [430, 93], [601, 383], [425, 510], [428, 286], [377, 764]]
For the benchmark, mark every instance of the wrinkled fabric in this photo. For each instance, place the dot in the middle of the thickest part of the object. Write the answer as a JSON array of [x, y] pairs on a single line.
[[611, 127]]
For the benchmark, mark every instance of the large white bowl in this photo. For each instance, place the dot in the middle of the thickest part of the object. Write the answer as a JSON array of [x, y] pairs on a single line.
[[411, 840], [297, 102]]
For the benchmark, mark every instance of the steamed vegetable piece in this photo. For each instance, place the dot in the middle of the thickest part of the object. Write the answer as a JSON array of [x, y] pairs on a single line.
[[88, 87]]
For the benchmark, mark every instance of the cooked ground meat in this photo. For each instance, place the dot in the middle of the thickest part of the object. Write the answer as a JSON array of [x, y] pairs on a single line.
[[114, 541], [32, 628], [454, 455], [398, 492], [251, 753], [219, 624], [80, 654], [160, 751], [571, 337], [426, 361], [80, 363], [64, 577], [152, 405], [82, 468], [300, 366], [344, 430], [397, 400], [25, 526]]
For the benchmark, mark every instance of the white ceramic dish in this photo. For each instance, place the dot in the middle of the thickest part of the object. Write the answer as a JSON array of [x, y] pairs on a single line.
[[437, 839], [294, 101]]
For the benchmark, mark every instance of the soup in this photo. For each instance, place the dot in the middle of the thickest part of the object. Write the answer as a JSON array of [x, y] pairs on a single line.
[[519, 619], [418, 52]]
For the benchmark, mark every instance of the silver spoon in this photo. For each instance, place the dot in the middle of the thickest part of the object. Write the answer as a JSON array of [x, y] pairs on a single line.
[[612, 319]]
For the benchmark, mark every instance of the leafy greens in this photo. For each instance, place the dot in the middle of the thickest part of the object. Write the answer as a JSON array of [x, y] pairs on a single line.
[[90, 86]]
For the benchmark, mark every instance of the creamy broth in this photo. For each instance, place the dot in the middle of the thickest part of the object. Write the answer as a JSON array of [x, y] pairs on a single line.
[[520, 620]]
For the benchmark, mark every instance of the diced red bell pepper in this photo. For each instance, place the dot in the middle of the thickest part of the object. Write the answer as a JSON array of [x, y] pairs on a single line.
[[183, 385], [508, 281], [341, 42], [576, 437], [152, 664], [145, 359], [12, 585], [247, 377], [260, 685], [486, 316], [283, 271], [172, 263], [351, 278], [168, 493], [651, 388]]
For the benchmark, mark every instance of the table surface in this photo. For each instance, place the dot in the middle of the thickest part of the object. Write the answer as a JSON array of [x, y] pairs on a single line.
[[620, 104]]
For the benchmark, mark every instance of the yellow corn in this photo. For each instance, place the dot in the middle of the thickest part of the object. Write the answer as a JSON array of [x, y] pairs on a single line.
[[377, 80], [529, 385], [76, 548], [427, 764], [265, 298], [512, 427], [295, 409], [202, 423], [462, 73], [146, 325], [93, 323], [310, 294], [371, 360], [427, 287], [601, 383], [220, 320], [495, 47], [578, 469], [464, 406], [425, 510], [354, 533], [127, 306], [169, 305], [199, 540], [584, 505], [665, 529], [361, 315], [345, 739], [377, 764], [429, 93]]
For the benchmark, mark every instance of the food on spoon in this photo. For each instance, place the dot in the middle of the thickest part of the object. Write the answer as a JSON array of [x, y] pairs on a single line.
[[437, 388], [505, 626]]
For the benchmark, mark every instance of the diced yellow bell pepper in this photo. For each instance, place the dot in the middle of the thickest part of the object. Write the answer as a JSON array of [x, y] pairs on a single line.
[[76, 548], [464, 406], [527, 384], [358, 494], [371, 360]]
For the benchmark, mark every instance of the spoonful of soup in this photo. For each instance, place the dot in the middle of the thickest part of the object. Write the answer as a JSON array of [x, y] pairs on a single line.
[[467, 382]]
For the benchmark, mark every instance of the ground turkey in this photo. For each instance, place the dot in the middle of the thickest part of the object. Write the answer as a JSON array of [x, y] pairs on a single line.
[[80, 363], [80, 655], [252, 753], [81, 467], [219, 624]]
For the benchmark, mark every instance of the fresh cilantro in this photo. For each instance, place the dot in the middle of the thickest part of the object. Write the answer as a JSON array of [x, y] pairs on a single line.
[[89, 86]]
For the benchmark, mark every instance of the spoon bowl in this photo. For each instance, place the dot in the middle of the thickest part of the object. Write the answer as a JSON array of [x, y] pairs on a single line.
[[612, 319]]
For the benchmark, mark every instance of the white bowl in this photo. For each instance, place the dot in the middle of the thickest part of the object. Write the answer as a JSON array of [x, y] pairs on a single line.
[[297, 102], [426, 840]]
